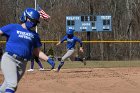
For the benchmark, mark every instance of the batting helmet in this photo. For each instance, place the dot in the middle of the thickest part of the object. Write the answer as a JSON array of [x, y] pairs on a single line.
[[70, 31], [30, 13]]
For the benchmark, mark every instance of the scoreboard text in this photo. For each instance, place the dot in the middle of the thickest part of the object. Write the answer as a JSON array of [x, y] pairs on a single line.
[[89, 23]]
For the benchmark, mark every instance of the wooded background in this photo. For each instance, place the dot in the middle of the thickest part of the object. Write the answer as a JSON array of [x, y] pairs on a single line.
[[125, 24]]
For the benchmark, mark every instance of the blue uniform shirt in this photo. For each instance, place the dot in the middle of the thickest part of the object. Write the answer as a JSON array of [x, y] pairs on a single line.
[[20, 41], [71, 41]]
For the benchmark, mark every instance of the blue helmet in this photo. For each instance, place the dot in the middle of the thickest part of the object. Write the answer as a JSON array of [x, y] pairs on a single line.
[[70, 32], [30, 13]]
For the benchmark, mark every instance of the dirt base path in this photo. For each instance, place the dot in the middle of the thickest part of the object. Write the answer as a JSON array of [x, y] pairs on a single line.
[[82, 80]]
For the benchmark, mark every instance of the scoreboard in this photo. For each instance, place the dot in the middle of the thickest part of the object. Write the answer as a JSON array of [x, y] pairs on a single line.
[[86, 23]]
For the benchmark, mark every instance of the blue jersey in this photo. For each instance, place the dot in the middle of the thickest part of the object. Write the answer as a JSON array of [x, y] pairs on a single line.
[[71, 41], [20, 41]]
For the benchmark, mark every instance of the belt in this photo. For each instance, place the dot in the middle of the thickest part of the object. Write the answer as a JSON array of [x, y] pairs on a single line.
[[17, 57], [70, 49]]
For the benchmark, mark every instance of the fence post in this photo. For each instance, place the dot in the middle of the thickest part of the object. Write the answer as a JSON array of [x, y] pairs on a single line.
[[88, 46]]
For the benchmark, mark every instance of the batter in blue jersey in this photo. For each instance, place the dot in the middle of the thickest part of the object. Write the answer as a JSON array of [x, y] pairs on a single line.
[[21, 43], [71, 41]]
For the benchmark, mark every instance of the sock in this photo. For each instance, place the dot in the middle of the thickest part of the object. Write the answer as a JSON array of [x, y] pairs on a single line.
[[60, 65], [51, 62], [32, 64], [9, 91], [39, 63]]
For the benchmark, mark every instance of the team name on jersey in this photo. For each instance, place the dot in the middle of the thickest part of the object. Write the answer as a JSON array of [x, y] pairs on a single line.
[[70, 40], [25, 35]]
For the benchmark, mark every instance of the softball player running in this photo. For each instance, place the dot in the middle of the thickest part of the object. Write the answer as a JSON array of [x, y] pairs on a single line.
[[22, 42], [71, 41], [36, 59]]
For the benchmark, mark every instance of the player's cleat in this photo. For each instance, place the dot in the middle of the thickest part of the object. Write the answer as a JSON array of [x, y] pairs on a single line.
[[55, 70], [30, 70], [41, 69], [84, 61]]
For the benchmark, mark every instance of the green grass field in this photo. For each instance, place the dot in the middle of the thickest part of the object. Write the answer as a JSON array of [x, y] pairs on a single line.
[[93, 64]]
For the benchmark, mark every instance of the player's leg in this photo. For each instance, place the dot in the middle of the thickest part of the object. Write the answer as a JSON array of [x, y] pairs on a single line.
[[21, 68], [51, 62], [67, 55], [31, 65], [82, 58], [39, 63], [9, 70], [3, 87]]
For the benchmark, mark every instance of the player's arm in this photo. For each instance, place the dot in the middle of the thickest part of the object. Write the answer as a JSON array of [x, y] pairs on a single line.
[[36, 48], [58, 43], [81, 49], [6, 30], [37, 52], [1, 32], [81, 44], [62, 40]]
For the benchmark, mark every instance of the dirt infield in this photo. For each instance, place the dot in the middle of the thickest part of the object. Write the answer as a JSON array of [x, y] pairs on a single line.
[[82, 80]]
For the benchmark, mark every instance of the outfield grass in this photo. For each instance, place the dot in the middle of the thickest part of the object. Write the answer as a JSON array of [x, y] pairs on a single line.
[[93, 64]]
